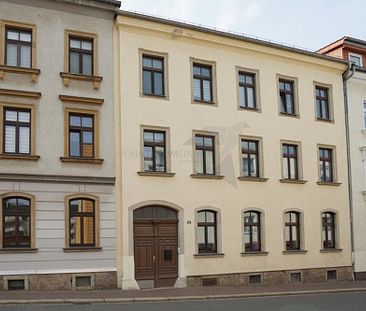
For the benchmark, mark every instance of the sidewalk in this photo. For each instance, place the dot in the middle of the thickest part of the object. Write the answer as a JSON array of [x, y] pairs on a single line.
[[169, 294]]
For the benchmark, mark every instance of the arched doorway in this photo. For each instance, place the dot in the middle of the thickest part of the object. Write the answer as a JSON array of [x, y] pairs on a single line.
[[155, 230]]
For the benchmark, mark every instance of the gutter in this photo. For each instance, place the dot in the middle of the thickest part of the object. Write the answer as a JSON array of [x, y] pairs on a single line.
[[348, 74]]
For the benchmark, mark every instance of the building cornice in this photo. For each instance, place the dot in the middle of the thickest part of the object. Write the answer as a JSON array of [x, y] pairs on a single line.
[[61, 179], [125, 18]]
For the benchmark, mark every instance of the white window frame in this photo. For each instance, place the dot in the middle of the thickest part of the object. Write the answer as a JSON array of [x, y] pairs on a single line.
[[355, 55]]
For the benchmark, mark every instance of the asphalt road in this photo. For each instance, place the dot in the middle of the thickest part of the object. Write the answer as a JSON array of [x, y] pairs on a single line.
[[320, 302]]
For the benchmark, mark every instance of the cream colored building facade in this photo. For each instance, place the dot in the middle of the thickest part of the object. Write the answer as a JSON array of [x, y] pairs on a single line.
[[170, 202], [57, 144]]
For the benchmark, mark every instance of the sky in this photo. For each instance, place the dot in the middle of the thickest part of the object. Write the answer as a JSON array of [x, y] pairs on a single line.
[[309, 24]]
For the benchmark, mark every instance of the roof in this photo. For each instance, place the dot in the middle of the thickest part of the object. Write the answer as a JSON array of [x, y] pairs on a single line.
[[227, 34], [111, 2], [110, 5], [342, 41]]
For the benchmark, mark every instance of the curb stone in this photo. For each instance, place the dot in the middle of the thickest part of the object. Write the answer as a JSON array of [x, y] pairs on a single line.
[[175, 298]]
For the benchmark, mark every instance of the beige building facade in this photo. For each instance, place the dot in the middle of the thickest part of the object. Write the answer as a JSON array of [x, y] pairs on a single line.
[[354, 50], [57, 167], [231, 161]]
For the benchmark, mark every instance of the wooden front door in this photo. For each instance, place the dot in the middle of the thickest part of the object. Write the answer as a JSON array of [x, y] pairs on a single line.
[[156, 251]]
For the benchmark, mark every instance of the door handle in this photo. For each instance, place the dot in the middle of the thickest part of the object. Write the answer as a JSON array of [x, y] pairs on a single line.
[[154, 258]]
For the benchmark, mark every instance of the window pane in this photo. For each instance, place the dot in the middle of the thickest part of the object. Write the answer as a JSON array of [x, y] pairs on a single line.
[[11, 115], [75, 230], [211, 239], [158, 83], [245, 165], [199, 141], [74, 144], [209, 162], [206, 72], [13, 35], [148, 136], [159, 137], [75, 44], [86, 45], [160, 159], [88, 206], [242, 101], [283, 103], [253, 165], [197, 89], [10, 139], [201, 216], [74, 63], [325, 112], [210, 217], [157, 64], [289, 102], [255, 238], [75, 206], [147, 62], [246, 236], [24, 226], [9, 226], [148, 158], [87, 137], [355, 59], [198, 161], [147, 82], [249, 79], [24, 140], [87, 64], [11, 54], [250, 97], [26, 37], [292, 168], [207, 90], [87, 122], [88, 230], [23, 116], [25, 56], [285, 168], [201, 238], [196, 70], [10, 205]]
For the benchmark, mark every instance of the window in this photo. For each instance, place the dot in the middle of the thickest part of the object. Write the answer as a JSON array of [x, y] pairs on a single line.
[[326, 165], [252, 231], [82, 222], [322, 103], [204, 154], [17, 131], [18, 51], [247, 90], [290, 161], [81, 135], [364, 114], [16, 222], [355, 59], [292, 230], [250, 158], [202, 83], [207, 232], [287, 97], [328, 230], [154, 151], [153, 75], [81, 56]]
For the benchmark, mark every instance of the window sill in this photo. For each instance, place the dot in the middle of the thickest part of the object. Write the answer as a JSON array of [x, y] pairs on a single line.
[[295, 252], [258, 179], [5, 156], [156, 174], [325, 120], [323, 183], [204, 176], [249, 109], [331, 250], [33, 72], [249, 254], [82, 249], [293, 181], [66, 77], [282, 114], [154, 96], [81, 160], [202, 102], [209, 255], [18, 250]]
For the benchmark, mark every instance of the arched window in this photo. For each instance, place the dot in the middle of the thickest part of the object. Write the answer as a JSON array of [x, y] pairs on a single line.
[[292, 230], [82, 223], [207, 231], [155, 212], [328, 230], [252, 231], [16, 220]]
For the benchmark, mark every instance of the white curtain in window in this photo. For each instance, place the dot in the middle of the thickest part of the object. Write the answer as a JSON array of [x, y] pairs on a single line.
[[10, 139], [11, 54], [24, 140], [25, 56]]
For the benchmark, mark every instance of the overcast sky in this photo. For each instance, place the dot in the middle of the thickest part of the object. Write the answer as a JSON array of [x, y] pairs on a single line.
[[305, 23]]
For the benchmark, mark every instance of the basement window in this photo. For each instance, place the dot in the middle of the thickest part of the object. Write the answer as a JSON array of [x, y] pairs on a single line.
[[255, 279], [332, 275], [209, 282], [295, 277], [16, 284], [83, 281]]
